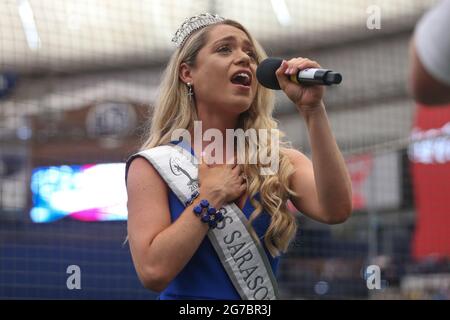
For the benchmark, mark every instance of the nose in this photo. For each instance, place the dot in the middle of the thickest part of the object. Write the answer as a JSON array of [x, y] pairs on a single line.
[[243, 58]]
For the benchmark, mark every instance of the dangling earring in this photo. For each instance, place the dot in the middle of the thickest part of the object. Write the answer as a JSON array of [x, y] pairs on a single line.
[[190, 91]]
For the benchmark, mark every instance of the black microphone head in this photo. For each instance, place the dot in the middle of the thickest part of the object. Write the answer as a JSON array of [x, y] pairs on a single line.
[[333, 78], [265, 73]]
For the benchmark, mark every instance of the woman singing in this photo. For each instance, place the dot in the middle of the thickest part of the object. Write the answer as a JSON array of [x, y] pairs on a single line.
[[217, 230]]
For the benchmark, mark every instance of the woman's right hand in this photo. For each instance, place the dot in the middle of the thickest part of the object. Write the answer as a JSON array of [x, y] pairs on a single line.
[[222, 182]]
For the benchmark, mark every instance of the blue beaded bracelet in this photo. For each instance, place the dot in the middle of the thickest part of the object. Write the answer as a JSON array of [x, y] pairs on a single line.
[[211, 215]]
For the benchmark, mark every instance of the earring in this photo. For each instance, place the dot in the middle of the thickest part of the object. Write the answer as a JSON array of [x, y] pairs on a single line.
[[190, 91]]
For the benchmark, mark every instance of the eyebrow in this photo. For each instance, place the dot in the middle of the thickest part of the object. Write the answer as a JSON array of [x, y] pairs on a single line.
[[233, 38]]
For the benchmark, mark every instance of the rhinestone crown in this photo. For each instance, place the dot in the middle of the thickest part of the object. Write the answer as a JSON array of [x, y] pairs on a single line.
[[193, 24]]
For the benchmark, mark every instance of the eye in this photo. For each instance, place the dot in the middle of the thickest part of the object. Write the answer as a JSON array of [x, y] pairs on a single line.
[[252, 54], [225, 48]]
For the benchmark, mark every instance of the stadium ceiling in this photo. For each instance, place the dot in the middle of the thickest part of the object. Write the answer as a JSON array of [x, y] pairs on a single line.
[[69, 35]]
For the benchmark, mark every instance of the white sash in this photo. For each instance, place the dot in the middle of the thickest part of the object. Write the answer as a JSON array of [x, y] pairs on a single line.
[[244, 259]]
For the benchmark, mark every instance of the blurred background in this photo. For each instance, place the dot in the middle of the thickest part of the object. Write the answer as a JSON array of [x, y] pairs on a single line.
[[78, 79]]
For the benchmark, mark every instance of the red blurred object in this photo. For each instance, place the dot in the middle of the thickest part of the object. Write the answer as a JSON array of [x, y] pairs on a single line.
[[430, 166], [359, 167]]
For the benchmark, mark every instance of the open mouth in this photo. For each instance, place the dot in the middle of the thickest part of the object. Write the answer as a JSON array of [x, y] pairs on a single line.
[[243, 78]]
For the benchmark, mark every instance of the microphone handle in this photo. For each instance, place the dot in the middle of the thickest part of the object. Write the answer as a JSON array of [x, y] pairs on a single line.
[[313, 76]]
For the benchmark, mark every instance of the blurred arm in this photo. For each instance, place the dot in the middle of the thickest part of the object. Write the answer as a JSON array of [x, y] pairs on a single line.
[[429, 78]]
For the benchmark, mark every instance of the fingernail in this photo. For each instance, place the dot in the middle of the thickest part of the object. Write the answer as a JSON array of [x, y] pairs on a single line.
[[288, 71]]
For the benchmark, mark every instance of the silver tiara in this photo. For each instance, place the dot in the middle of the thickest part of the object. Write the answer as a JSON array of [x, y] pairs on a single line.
[[193, 24]]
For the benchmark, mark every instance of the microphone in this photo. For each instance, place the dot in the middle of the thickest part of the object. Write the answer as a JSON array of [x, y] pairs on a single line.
[[265, 73]]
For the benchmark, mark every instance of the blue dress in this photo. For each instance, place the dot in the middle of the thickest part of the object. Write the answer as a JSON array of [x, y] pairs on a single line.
[[204, 277]]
